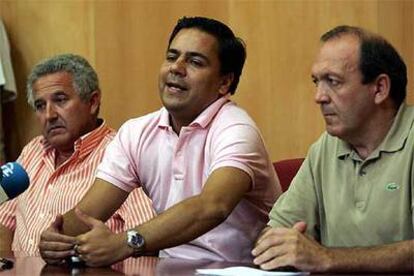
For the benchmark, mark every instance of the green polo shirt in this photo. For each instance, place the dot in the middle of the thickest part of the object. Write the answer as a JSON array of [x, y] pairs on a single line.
[[349, 202]]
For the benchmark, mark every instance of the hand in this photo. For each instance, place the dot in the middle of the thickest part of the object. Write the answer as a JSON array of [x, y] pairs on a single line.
[[54, 247], [99, 246], [279, 247]]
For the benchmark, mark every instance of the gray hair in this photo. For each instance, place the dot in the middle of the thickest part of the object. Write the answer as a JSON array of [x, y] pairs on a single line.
[[85, 79]]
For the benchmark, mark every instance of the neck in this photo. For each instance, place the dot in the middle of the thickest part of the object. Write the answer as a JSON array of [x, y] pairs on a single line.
[[62, 156], [374, 133], [177, 123]]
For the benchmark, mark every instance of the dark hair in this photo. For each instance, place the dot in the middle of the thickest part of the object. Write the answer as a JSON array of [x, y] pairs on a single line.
[[377, 56], [231, 49]]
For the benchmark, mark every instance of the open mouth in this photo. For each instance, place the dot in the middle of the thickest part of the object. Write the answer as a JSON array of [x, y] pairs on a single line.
[[175, 87]]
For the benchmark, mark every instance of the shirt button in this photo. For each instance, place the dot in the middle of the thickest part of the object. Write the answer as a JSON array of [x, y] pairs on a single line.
[[360, 204], [31, 242], [42, 215]]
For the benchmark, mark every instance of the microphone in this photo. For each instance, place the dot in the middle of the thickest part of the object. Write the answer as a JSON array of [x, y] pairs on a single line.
[[13, 181]]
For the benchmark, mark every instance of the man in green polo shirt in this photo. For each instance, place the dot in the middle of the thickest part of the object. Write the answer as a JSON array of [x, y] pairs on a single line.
[[350, 207]]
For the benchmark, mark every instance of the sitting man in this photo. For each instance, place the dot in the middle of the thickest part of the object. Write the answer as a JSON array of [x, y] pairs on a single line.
[[64, 92], [201, 159], [350, 207]]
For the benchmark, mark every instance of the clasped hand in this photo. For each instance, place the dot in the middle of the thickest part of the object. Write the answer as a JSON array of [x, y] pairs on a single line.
[[97, 247]]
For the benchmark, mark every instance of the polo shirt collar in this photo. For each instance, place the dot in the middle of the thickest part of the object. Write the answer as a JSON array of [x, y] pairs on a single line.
[[203, 119], [395, 139]]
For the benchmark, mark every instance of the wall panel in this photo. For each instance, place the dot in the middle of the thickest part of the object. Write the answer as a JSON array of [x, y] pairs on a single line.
[[126, 41]]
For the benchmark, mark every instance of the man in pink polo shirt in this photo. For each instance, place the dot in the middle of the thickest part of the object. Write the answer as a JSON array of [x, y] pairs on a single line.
[[200, 158]]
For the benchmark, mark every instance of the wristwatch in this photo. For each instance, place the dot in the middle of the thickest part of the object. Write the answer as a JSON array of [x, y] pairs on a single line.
[[136, 241]]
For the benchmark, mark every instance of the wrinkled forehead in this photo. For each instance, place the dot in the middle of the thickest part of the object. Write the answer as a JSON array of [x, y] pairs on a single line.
[[337, 54], [53, 83]]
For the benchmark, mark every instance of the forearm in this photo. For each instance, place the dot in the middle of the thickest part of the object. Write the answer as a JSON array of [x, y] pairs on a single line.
[[396, 257], [100, 202], [180, 224], [6, 238]]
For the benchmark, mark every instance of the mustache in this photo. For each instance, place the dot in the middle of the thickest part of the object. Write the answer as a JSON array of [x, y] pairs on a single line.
[[53, 125], [175, 80]]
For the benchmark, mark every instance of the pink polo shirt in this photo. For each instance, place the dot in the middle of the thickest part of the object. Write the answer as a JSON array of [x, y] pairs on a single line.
[[147, 152]]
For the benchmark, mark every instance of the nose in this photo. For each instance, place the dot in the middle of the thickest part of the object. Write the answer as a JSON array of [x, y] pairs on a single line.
[[321, 95], [178, 67], [51, 113]]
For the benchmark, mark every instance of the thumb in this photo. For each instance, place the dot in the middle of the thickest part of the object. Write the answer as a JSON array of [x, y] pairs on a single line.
[[89, 221], [300, 226], [57, 224]]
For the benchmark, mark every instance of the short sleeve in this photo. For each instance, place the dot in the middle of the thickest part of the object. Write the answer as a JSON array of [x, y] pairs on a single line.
[[241, 146], [298, 203], [118, 166]]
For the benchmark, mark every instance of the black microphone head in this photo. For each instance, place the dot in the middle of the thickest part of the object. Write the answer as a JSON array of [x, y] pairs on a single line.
[[14, 179]]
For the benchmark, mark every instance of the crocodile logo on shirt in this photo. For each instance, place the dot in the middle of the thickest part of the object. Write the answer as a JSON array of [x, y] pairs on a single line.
[[392, 187]]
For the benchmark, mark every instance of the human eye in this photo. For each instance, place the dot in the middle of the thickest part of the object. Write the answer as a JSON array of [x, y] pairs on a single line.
[[60, 99], [315, 81], [39, 106], [170, 56], [333, 81], [196, 62]]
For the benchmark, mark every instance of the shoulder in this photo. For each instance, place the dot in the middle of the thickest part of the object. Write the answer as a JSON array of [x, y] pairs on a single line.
[[141, 123], [231, 118], [36, 144]]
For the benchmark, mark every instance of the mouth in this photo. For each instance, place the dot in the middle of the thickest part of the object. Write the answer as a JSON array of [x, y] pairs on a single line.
[[56, 128], [176, 87]]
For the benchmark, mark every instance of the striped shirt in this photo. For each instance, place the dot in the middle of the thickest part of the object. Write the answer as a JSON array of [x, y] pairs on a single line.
[[55, 191]]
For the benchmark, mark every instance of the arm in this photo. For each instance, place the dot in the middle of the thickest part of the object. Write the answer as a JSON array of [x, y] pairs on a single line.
[[279, 247], [101, 201], [6, 238], [198, 214], [186, 220]]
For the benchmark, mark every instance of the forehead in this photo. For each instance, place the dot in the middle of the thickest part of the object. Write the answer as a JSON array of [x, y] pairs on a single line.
[[195, 40], [53, 83], [338, 55]]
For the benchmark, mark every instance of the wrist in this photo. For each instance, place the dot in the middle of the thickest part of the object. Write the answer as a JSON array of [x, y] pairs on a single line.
[[328, 262], [135, 243]]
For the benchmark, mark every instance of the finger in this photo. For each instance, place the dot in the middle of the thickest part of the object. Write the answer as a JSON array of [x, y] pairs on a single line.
[[277, 262], [48, 236], [268, 254], [87, 220], [272, 232], [300, 226], [55, 256], [55, 246], [275, 238]]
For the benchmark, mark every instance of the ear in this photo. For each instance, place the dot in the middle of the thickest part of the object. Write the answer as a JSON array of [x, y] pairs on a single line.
[[225, 83], [381, 86], [95, 101]]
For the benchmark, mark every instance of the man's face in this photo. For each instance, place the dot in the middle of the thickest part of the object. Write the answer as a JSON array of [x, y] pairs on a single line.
[[345, 102], [64, 117], [190, 78]]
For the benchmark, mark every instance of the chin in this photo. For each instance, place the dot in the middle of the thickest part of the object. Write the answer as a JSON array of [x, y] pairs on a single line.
[[334, 131]]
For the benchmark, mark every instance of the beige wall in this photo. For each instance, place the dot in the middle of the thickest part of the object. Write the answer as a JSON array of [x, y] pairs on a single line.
[[126, 42]]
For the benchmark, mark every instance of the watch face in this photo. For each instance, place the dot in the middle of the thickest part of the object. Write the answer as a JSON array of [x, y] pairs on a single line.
[[135, 240]]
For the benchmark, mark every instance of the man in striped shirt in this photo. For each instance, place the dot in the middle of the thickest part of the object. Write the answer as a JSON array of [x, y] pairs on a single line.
[[61, 163]]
